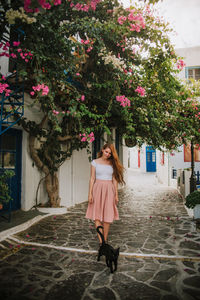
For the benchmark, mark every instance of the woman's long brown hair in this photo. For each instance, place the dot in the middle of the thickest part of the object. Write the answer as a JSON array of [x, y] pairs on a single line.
[[118, 169]]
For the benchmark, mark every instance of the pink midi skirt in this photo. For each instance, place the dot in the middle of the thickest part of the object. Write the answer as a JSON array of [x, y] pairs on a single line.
[[103, 207]]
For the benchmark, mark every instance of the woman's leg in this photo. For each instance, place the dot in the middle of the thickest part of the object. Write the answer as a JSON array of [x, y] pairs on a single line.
[[106, 227], [98, 223]]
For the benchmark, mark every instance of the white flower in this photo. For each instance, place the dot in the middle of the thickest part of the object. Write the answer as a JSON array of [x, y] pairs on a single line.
[[109, 57], [11, 15]]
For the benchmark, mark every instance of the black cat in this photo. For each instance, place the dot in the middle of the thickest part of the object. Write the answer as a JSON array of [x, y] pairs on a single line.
[[110, 253]]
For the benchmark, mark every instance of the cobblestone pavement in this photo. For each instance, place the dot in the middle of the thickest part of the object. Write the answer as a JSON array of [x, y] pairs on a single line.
[[159, 252]]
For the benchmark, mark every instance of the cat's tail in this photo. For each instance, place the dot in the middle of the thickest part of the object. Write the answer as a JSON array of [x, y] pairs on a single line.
[[100, 233]]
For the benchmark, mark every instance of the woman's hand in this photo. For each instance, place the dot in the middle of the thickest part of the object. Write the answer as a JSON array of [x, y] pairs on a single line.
[[116, 199], [90, 199]]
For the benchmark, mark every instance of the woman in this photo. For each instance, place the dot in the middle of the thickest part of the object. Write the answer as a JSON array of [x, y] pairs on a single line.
[[106, 173]]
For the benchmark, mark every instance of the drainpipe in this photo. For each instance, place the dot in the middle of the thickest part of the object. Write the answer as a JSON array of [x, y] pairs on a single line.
[[168, 170], [193, 177]]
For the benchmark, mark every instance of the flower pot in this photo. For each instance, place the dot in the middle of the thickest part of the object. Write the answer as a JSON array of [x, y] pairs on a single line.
[[197, 211]]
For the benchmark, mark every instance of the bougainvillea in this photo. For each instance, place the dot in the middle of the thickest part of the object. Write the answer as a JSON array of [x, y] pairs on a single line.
[[91, 65]]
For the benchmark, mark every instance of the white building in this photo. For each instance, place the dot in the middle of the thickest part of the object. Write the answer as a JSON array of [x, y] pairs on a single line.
[[164, 163]]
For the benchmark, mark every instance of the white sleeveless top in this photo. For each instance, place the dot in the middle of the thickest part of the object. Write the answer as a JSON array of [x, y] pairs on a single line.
[[103, 172]]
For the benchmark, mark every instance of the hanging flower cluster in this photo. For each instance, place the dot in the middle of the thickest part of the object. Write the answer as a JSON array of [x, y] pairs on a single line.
[[111, 58], [180, 64], [87, 137], [12, 15], [85, 7], [123, 101], [39, 87], [4, 89], [88, 43], [135, 21], [140, 90], [42, 3], [26, 55], [82, 98]]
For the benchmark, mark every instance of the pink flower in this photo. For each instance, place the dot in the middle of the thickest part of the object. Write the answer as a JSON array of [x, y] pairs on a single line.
[[44, 88], [32, 93], [13, 55], [55, 112], [78, 74], [82, 97], [26, 60], [180, 64], [19, 50], [121, 20], [89, 49], [123, 101], [91, 134], [133, 27], [84, 139], [131, 17], [16, 44], [92, 140], [140, 90], [57, 2]]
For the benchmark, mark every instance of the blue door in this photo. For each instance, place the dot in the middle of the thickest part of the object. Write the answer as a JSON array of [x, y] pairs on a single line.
[[11, 159], [150, 159]]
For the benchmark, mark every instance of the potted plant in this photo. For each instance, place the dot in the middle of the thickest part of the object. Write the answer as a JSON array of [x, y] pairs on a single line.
[[193, 201], [5, 188]]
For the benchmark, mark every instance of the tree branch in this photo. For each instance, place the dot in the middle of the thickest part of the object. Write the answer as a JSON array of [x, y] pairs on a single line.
[[67, 137]]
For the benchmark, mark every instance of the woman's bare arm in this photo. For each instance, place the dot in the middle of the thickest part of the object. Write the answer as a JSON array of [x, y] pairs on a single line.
[[91, 183]]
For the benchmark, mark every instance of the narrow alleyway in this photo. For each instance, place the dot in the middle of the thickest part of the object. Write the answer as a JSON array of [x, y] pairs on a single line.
[[159, 251]]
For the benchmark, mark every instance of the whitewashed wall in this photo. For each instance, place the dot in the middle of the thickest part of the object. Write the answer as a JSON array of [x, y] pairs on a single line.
[[30, 179], [133, 156], [74, 178], [177, 161], [124, 159], [162, 170]]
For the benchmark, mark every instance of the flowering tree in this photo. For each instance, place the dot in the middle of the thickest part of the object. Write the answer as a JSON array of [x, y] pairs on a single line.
[[91, 65]]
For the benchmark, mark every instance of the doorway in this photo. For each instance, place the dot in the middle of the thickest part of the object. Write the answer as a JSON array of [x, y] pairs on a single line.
[[11, 159]]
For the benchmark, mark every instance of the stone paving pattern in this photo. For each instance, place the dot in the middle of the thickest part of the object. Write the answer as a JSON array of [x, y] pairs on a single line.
[[153, 220]]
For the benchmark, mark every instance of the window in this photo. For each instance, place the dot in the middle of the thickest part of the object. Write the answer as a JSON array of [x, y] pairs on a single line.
[[192, 72]]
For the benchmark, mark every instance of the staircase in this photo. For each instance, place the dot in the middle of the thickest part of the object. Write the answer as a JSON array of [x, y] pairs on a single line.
[[12, 106]]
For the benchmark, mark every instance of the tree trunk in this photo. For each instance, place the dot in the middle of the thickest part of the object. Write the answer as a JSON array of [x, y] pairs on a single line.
[[51, 179], [52, 187]]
